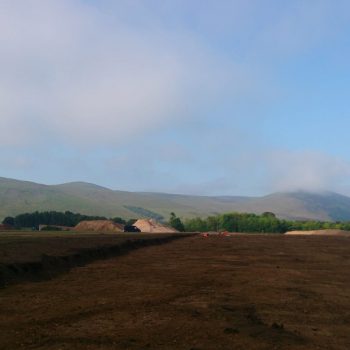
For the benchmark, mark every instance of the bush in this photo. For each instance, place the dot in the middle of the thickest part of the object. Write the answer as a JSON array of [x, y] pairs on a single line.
[[9, 220], [176, 223]]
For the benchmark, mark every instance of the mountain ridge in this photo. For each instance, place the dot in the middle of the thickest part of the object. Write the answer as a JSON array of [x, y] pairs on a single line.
[[17, 196]]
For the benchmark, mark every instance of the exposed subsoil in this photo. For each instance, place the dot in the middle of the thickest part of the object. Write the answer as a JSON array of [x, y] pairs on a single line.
[[239, 292], [326, 232]]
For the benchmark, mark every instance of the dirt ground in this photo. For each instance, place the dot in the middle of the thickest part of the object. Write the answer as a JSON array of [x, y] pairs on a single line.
[[241, 292], [35, 256], [21, 246]]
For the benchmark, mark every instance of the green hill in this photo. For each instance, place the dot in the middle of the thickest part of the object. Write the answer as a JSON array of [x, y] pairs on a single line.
[[22, 196]]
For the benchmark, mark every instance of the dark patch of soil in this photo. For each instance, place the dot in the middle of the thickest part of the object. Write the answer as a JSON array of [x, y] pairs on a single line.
[[241, 292], [50, 256]]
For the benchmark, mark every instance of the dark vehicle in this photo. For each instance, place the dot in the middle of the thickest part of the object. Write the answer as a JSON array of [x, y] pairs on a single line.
[[131, 228]]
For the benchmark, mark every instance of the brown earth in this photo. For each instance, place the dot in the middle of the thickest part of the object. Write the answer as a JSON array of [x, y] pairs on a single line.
[[22, 247], [37, 255], [99, 225], [200, 293]]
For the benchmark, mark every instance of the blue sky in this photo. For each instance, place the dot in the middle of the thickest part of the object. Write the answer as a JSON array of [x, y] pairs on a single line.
[[196, 97]]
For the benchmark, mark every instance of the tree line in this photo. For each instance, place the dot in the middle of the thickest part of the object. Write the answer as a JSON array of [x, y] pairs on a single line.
[[50, 218], [55, 218], [247, 222]]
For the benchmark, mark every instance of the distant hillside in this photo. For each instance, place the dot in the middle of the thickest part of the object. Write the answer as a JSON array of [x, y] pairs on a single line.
[[21, 196]]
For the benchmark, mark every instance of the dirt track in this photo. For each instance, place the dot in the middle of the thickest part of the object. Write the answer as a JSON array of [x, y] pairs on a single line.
[[244, 292]]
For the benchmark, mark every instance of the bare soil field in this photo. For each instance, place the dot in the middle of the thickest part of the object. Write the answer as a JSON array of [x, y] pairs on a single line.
[[23, 246], [236, 292], [42, 255]]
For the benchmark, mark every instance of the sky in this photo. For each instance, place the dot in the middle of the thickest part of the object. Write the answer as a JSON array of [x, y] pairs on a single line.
[[206, 97]]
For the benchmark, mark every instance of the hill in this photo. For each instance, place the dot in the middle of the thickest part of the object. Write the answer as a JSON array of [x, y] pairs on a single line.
[[22, 196]]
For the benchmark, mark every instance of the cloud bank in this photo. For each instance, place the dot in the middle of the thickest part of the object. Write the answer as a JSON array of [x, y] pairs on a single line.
[[70, 70], [307, 171]]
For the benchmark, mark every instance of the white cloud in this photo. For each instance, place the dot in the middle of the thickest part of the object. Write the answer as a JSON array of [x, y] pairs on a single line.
[[90, 74], [70, 71], [310, 171]]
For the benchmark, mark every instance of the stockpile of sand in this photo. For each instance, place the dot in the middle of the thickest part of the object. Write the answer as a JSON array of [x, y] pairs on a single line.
[[99, 225], [331, 232], [153, 226]]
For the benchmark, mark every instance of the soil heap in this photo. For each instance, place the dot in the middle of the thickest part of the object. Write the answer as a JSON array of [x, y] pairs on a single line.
[[152, 226], [99, 225], [329, 232]]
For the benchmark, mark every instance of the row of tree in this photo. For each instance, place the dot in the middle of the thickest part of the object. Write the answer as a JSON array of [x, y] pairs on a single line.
[[244, 222], [55, 218], [50, 218]]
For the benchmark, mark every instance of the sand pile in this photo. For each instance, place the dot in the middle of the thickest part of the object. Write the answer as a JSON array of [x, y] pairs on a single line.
[[330, 232], [99, 225], [153, 226]]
